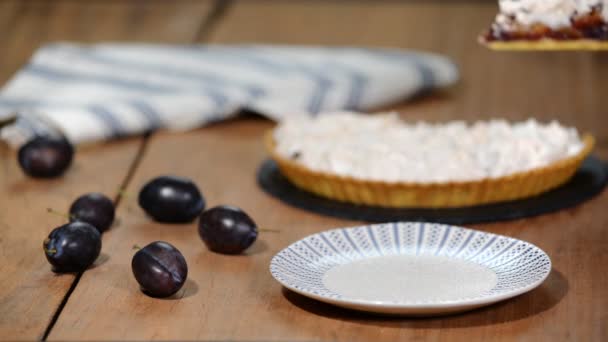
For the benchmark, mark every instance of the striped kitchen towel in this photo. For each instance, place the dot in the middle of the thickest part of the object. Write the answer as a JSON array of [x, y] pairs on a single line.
[[104, 91]]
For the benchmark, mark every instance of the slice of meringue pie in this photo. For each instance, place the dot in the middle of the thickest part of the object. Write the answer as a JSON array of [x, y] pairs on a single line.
[[549, 25]]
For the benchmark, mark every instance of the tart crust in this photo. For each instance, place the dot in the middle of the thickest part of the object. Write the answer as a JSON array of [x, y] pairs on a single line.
[[545, 44], [430, 195]]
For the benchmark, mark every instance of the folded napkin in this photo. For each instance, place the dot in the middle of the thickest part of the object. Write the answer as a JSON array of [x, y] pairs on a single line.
[[104, 91]]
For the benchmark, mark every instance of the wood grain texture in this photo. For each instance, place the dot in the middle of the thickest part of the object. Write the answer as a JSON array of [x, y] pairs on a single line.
[[235, 298], [29, 24], [30, 293]]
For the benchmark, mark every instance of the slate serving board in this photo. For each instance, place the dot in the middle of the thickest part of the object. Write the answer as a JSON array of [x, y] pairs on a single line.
[[589, 180]]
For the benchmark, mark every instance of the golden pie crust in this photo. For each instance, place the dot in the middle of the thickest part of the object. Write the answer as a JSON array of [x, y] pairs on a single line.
[[430, 195], [546, 45]]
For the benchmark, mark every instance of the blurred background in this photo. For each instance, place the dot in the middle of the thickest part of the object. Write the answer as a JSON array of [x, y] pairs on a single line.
[[571, 86]]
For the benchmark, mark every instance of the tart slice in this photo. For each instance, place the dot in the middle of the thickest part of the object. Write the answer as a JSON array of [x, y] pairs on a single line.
[[549, 25], [379, 160]]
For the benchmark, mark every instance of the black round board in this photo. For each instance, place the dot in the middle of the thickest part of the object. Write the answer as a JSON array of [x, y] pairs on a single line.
[[588, 181]]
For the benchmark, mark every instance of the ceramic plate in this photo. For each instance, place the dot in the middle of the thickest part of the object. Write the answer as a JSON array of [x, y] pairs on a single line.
[[410, 268]]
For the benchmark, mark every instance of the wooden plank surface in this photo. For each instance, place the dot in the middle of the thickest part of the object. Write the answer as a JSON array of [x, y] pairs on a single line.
[[235, 298], [29, 24], [30, 293]]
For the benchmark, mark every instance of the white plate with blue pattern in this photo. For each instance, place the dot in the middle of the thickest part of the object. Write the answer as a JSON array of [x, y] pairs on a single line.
[[410, 268]]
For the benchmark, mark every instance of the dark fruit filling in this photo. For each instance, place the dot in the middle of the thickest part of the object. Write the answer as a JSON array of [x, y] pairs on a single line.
[[592, 26], [588, 26]]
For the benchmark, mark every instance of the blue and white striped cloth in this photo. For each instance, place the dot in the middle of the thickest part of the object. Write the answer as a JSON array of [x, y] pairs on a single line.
[[104, 91]]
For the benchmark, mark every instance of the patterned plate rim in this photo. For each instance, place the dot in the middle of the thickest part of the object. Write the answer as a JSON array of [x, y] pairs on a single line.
[[476, 301]]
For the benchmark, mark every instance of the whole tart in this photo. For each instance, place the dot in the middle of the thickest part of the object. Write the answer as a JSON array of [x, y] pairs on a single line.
[[429, 194], [549, 25]]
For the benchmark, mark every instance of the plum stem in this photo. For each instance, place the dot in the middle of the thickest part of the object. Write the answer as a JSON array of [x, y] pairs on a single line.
[[122, 193], [50, 251], [269, 230], [136, 247], [59, 213]]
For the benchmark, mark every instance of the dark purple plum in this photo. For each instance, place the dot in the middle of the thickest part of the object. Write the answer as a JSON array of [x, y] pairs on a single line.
[[45, 157], [93, 208], [160, 269], [171, 199], [227, 230], [72, 247]]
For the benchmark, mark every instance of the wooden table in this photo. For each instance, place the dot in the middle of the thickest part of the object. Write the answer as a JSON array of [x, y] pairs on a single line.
[[234, 297]]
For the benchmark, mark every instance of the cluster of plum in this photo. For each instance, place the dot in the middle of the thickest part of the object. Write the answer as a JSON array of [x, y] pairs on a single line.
[[159, 268]]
